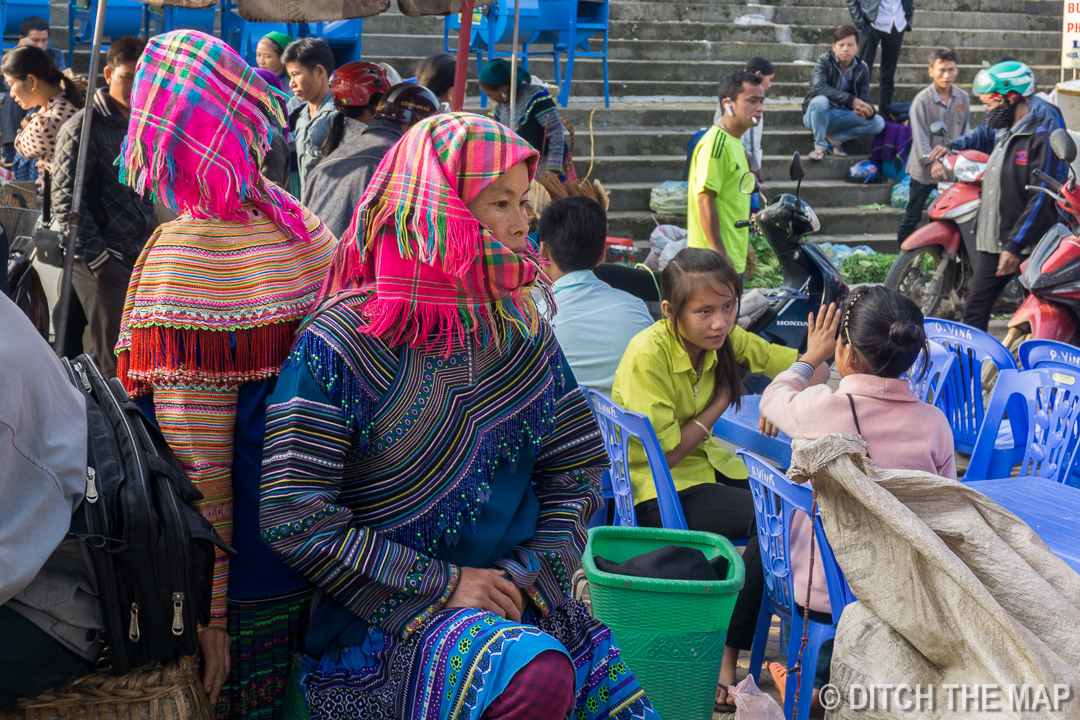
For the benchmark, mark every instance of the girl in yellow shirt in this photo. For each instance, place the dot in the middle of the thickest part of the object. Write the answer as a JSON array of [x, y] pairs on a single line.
[[683, 373]]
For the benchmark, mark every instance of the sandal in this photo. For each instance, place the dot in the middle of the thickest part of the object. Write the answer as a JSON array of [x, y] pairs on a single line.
[[723, 703], [835, 148], [818, 154]]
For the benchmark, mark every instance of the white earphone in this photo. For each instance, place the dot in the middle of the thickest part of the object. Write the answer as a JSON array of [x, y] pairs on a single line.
[[727, 107]]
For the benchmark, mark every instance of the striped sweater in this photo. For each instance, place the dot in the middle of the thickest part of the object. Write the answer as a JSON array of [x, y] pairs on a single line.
[[213, 305]]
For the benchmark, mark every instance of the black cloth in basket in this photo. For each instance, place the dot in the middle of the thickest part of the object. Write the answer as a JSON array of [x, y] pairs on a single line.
[[671, 562]]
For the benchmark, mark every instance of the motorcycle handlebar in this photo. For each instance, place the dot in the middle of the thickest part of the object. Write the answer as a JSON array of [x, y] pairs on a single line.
[[743, 223], [1052, 184]]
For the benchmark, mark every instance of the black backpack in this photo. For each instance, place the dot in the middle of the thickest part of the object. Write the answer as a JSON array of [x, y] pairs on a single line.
[[152, 550]]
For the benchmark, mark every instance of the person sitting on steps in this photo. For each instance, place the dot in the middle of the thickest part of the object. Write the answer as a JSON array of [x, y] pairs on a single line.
[[838, 107]]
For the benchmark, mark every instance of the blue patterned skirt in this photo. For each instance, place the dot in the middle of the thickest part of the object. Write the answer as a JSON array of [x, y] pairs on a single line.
[[460, 660]]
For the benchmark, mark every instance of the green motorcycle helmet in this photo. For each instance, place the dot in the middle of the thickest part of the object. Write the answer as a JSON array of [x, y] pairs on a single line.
[[1004, 78]]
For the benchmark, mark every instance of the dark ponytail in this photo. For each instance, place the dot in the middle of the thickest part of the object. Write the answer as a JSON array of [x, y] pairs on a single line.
[[690, 269], [885, 328], [31, 60]]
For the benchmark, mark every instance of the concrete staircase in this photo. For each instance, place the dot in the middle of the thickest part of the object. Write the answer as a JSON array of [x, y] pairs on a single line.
[[666, 59]]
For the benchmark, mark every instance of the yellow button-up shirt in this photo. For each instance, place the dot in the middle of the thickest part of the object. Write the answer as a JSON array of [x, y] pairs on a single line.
[[656, 378]]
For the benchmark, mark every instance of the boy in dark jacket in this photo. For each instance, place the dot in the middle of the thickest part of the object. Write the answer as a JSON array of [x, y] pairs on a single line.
[[116, 221], [1011, 219], [837, 108]]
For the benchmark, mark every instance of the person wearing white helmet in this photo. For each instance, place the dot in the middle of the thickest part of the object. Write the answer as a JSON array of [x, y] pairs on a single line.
[[1012, 219]]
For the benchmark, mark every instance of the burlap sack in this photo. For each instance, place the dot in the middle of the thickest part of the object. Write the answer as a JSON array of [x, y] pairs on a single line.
[[953, 591]]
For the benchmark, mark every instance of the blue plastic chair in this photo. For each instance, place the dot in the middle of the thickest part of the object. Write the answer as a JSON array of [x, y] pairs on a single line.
[[1043, 408], [344, 37], [931, 385], [617, 427], [122, 17], [962, 398], [776, 499], [13, 12], [1049, 354], [248, 34]]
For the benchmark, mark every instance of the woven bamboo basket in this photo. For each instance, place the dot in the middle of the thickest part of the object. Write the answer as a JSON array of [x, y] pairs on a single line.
[[157, 692]]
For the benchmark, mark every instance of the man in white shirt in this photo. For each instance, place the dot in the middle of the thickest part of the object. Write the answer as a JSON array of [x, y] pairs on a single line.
[[593, 321], [884, 22]]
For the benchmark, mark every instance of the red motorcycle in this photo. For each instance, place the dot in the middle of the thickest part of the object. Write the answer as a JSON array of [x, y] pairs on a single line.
[[1051, 275], [935, 262]]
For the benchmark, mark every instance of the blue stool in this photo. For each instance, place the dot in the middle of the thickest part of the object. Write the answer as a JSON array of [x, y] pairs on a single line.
[[122, 17], [13, 12]]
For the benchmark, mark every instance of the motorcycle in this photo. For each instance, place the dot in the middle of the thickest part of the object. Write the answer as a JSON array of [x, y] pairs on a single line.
[[810, 278], [1051, 274], [935, 260], [24, 283]]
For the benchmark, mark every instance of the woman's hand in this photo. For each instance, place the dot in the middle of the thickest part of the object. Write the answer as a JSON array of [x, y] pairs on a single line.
[[487, 589], [766, 428], [821, 338], [214, 646]]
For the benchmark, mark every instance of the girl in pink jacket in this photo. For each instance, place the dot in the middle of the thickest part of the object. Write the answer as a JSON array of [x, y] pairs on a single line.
[[881, 337]]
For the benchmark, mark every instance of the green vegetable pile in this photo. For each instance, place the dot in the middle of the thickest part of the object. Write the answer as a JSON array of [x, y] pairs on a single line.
[[866, 268], [855, 270]]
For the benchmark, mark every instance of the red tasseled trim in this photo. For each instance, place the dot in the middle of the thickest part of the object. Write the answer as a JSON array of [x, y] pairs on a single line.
[[172, 355]]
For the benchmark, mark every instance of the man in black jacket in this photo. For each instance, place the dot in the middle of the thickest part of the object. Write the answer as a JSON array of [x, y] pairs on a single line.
[[115, 221], [336, 184], [884, 22], [837, 108], [1012, 219]]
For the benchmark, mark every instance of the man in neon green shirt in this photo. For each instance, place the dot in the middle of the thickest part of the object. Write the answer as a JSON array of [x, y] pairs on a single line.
[[714, 202]]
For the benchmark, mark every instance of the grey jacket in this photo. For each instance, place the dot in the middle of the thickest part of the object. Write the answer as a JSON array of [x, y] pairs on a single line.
[[43, 576], [335, 186], [926, 109], [865, 12]]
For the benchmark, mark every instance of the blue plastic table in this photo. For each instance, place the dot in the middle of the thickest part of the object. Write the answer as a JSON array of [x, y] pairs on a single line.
[[741, 429], [1050, 508]]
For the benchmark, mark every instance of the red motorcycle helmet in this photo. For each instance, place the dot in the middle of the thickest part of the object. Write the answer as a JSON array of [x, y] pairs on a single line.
[[354, 84]]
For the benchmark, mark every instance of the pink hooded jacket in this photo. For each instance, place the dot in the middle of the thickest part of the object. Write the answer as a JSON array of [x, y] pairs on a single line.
[[903, 434]]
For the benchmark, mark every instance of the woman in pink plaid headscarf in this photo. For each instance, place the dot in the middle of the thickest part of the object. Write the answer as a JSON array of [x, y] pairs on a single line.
[[431, 462], [214, 303]]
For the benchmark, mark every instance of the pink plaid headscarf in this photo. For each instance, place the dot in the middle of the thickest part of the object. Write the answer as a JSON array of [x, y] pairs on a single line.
[[201, 120], [428, 271]]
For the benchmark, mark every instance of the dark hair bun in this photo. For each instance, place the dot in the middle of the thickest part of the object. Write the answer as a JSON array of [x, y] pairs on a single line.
[[903, 334]]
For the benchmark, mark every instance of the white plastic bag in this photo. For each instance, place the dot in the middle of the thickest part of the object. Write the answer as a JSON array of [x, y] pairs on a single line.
[[661, 237], [752, 704], [668, 198]]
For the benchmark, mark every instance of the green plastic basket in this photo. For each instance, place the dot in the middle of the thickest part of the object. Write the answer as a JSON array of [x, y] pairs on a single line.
[[670, 632]]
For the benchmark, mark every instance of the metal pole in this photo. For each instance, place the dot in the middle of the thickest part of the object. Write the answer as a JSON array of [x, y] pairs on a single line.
[[514, 63], [461, 72], [61, 314]]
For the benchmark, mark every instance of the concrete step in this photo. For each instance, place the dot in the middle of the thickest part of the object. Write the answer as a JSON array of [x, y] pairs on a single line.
[[677, 116], [778, 140], [380, 45], [830, 16], [839, 222], [655, 169], [818, 193], [633, 91], [1032, 7], [816, 33], [788, 75]]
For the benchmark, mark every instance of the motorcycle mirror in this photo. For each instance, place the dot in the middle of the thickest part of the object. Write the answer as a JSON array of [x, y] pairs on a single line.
[[1063, 146], [797, 172], [938, 128], [748, 184]]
